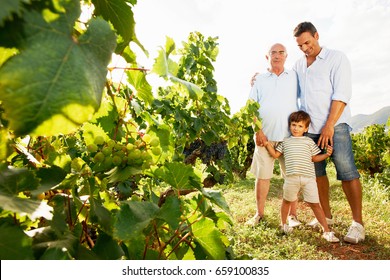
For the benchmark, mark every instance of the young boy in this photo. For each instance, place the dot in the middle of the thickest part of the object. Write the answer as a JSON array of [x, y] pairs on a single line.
[[300, 153]]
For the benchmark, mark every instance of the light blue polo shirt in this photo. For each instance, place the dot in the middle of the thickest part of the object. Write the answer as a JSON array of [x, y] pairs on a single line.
[[327, 78], [277, 96]]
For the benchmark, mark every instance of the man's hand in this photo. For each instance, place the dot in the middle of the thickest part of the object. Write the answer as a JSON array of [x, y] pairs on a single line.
[[261, 139], [326, 137], [254, 79]]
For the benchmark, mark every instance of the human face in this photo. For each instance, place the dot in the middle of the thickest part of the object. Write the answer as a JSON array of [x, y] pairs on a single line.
[[297, 129], [309, 44], [277, 56]]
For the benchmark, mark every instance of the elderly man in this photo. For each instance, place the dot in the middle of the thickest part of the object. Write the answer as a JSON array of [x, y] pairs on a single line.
[[276, 91]]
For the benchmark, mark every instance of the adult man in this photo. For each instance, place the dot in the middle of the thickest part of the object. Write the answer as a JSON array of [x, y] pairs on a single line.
[[276, 92], [325, 90]]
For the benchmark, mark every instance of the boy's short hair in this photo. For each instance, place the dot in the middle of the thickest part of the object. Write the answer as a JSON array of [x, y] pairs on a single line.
[[298, 117]]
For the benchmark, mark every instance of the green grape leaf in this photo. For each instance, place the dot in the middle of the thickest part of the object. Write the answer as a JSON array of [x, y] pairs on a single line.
[[167, 68], [3, 144], [209, 137], [91, 131], [135, 247], [56, 82], [14, 243], [195, 92], [121, 174], [169, 45], [217, 198], [56, 253], [164, 66], [180, 176], [102, 214], [163, 132], [107, 248], [6, 54], [129, 55], [14, 181], [49, 178], [209, 238], [143, 88], [170, 211], [84, 253], [133, 218], [120, 14], [106, 118], [49, 242], [32, 208], [223, 220], [9, 8]]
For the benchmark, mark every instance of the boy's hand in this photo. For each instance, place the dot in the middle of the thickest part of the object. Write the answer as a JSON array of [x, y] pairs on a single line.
[[329, 150]]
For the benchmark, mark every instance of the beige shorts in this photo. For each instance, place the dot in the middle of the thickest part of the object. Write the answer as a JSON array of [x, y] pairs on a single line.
[[263, 163], [294, 183]]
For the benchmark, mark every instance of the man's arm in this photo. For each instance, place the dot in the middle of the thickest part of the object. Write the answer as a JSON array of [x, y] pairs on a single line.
[[327, 132], [342, 93]]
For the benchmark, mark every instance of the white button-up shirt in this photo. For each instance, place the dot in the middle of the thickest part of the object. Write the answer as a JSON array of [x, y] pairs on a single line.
[[277, 96], [327, 78]]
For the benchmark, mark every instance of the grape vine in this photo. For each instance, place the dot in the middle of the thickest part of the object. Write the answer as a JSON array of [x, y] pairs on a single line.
[[371, 149], [95, 169]]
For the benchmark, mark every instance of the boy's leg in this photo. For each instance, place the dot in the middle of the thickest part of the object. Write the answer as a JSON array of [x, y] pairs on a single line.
[[284, 210], [293, 208], [294, 204], [319, 214], [312, 197], [291, 188], [322, 181]]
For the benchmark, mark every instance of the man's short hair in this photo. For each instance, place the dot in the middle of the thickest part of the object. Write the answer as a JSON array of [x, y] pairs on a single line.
[[305, 27]]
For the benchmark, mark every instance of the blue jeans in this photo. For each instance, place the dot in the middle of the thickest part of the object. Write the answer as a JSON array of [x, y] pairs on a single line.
[[342, 155]]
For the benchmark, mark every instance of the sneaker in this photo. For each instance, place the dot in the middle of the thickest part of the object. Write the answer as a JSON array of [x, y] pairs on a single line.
[[330, 237], [293, 221], [355, 233], [315, 223], [286, 228], [254, 221]]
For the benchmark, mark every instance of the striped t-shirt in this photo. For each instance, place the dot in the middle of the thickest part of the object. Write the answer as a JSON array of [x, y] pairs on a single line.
[[298, 152]]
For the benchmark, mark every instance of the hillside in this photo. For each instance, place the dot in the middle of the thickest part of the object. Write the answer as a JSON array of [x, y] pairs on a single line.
[[360, 121]]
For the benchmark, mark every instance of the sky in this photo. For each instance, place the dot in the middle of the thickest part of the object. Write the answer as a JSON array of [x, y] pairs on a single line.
[[247, 28]]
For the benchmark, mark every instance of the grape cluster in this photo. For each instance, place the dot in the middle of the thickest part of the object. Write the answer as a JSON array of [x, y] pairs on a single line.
[[108, 154], [214, 152]]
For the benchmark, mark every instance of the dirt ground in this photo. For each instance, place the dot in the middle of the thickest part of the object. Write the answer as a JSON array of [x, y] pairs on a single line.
[[349, 251]]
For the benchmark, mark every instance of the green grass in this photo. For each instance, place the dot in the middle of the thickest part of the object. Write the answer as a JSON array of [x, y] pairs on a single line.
[[265, 241]]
